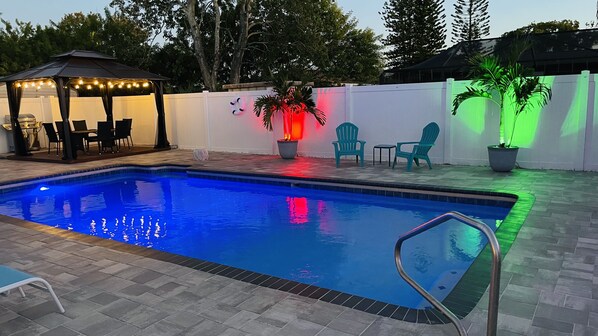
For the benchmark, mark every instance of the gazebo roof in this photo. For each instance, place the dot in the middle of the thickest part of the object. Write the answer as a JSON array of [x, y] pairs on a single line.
[[86, 64]]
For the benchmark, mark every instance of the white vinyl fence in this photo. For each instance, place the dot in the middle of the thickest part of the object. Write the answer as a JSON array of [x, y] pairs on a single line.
[[564, 135]]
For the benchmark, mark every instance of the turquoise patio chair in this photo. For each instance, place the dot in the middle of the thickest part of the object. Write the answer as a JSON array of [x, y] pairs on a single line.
[[11, 278], [347, 143], [420, 148]]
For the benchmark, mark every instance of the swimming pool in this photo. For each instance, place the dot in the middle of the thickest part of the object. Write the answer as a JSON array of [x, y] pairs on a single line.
[[304, 232]]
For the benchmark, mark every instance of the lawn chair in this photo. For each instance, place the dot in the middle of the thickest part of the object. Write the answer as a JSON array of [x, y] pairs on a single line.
[[11, 278], [347, 143], [420, 149]]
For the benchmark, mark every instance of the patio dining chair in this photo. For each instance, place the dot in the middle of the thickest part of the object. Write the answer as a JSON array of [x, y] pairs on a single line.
[[347, 143], [81, 125], [129, 128], [105, 136], [52, 137], [122, 132], [11, 278], [420, 148]]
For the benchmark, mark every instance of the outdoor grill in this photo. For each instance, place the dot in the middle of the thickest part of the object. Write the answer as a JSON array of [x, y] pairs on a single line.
[[30, 127]]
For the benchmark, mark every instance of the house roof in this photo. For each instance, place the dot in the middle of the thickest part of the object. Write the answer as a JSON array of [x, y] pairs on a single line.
[[560, 53], [84, 64]]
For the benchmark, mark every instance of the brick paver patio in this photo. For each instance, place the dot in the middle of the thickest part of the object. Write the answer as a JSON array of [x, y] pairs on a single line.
[[549, 279]]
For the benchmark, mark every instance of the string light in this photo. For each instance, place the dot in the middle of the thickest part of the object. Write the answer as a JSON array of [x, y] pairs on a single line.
[[86, 83]]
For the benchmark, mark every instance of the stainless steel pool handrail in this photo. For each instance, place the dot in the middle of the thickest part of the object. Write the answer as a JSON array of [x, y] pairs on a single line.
[[495, 271]]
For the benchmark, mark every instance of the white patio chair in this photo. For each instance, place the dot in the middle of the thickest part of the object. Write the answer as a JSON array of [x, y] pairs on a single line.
[[11, 278]]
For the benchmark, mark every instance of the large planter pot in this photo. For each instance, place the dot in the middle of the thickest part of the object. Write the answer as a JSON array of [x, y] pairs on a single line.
[[502, 159], [287, 148]]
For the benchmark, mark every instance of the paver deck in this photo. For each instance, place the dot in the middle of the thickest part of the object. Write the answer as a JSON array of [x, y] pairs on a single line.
[[549, 278]]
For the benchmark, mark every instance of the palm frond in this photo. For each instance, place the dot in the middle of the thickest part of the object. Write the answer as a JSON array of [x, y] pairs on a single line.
[[471, 92], [286, 98]]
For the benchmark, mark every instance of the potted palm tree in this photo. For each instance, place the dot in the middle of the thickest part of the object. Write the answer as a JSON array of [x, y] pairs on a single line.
[[512, 87], [288, 100]]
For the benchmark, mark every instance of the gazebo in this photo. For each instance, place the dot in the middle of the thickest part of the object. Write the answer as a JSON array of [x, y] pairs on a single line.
[[80, 68]]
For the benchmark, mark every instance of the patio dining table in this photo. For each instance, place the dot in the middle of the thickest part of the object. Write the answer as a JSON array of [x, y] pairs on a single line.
[[79, 136]]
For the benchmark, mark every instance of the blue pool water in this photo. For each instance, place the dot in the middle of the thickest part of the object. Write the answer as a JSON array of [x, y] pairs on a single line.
[[336, 240]]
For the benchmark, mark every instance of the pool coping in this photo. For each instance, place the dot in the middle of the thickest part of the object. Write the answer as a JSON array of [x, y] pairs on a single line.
[[461, 300]]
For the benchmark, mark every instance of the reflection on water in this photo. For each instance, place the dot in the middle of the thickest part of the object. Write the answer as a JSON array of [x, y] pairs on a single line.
[[335, 240], [134, 231]]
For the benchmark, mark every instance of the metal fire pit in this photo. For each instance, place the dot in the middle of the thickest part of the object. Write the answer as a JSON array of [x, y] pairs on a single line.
[[30, 127]]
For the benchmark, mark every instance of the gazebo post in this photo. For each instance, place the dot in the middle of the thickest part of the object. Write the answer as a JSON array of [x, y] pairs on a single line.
[[64, 95], [14, 94], [161, 139]]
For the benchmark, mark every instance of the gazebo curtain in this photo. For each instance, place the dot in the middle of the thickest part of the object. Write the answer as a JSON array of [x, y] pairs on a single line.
[[161, 139], [64, 96], [107, 102], [14, 94]]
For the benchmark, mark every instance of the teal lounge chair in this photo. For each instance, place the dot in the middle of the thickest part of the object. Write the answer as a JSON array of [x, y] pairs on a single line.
[[10, 278], [347, 143], [420, 148]]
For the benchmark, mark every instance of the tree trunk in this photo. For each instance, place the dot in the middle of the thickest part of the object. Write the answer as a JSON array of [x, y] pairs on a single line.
[[241, 43], [209, 76]]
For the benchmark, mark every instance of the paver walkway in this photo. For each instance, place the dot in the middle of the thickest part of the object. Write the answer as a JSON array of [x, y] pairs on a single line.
[[549, 279]]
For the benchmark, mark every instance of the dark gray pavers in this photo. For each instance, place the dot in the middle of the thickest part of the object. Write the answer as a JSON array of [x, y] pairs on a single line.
[[61, 331], [549, 280]]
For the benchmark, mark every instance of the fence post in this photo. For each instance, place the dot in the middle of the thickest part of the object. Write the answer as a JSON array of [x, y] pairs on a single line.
[[447, 153], [206, 108], [589, 126], [349, 102]]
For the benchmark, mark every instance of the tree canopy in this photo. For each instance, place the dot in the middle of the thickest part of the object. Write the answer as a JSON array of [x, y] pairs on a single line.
[[313, 41], [251, 40], [471, 20], [202, 44], [26, 45], [416, 30], [544, 27]]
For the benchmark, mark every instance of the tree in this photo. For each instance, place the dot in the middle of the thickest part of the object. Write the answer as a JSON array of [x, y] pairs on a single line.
[[416, 30], [544, 27], [593, 23], [25, 45], [312, 40], [471, 20], [201, 22]]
